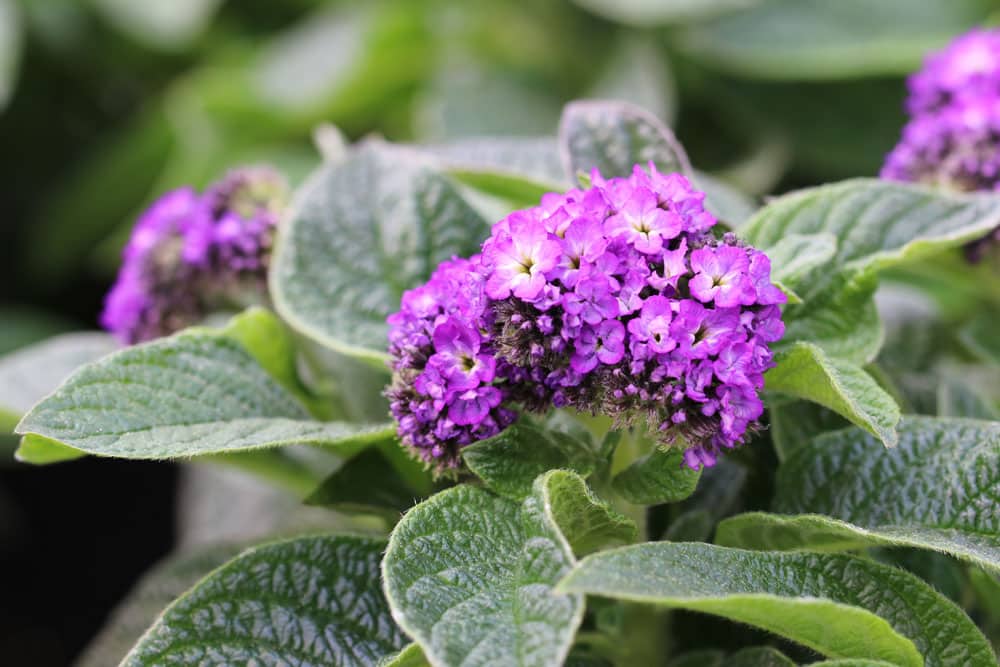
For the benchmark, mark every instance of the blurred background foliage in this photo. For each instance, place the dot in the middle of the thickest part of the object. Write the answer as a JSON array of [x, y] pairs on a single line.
[[106, 103]]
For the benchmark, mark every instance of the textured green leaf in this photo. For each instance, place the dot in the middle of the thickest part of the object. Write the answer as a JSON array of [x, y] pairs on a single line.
[[659, 477], [157, 589], [614, 136], [643, 13], [936, 490], [840, 606], [587, 522], [28, 374], [796, 254], [805, 371], [815, 39], [519, 169], [509, 462], [358, 234], [876, 223], [365, 484], [727, 203], [469, 575], [309, 600], [841, 318], [795, 423], [195, 393]]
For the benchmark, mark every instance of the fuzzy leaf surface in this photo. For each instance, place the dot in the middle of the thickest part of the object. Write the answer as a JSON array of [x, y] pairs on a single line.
[[470, 576], [838, 605], [308, 600]]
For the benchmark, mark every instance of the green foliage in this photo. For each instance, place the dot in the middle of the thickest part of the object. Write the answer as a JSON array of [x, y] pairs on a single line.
[[936, 490], [360, 233], [470, 576], [273, 604], [658, 477], [840, 606], [196, 393]]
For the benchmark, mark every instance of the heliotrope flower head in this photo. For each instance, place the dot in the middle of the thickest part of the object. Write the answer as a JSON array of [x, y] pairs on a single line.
[[617, 300], [446, 390], [957, 146], [191, 254], [968, 67]]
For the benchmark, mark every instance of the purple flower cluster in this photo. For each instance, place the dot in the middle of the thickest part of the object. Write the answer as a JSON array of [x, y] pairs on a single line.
[[953, 137], [445, 392], [615, 300], [191, 254]]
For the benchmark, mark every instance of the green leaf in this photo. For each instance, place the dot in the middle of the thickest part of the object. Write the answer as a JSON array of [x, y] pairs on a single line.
[[876, 223], [841, 318], [195, 393], [28, 374], [935, 490], [727, 203], [795, 255], [805, 371], [691, 526], [587, 522], [814, 39], [659, 477], [157, 589], [469, 575], [979, 337], [366, 484], [759, 656], [644, 13], [838, 605], [614, 136], [510, 461], [165, 24], [309, 600], [795, 423], [638, 72], [358, 234], [411, 656]]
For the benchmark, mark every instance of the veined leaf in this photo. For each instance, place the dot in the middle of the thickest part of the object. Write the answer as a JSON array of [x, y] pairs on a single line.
[[659, 477], [876, 223], [795, 255], [838, 605], [805, 371], [587, 522], [357, 235], [614, 136], [469, 575], [510, 461], [28, 374], [935, 490], [365, 484], [195, 393], [309, 600]]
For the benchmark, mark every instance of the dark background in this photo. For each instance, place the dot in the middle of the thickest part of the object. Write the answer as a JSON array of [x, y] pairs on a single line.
[[106, 112]]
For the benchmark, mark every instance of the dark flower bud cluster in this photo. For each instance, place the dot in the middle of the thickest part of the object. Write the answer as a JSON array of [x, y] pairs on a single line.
[[614, 300], [445, 392], [192, 254]]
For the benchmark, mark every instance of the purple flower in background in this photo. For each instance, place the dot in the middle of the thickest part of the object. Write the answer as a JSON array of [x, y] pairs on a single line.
[[968, 67], [645, 316], [191, 255], [953, 137]]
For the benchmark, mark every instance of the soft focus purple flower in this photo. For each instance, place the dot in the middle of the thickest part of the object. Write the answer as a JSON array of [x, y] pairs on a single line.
[[643, 316], [190, 255], [968, 67]]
